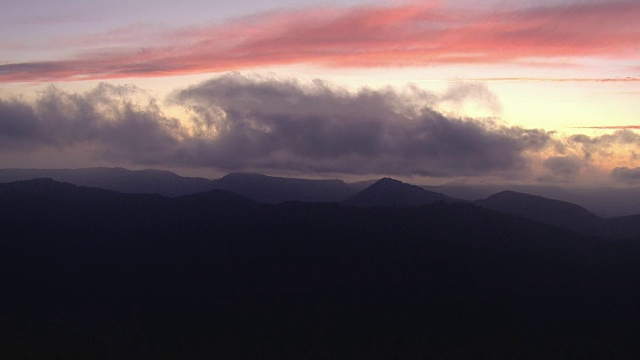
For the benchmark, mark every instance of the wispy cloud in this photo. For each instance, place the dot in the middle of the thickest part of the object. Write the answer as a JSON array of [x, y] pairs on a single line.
[[373, 36], [558, 79], [610, 127]]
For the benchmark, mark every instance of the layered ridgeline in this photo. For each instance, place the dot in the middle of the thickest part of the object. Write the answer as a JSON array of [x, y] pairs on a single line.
[[604, 202], [92, 273], [380, 193], [372, 193], [563, 214], [261, 188]]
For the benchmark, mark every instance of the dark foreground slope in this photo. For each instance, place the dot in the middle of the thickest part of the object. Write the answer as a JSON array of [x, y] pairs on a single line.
[[89, 273]]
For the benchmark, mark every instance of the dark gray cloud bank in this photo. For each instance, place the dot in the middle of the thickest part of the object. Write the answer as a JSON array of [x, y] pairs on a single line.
[[627, 175], [316, 128], [563, 165], [104, 120], [264, 124]]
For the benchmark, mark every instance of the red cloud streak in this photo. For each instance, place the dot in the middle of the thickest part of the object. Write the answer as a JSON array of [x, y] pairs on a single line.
[[406, 35]]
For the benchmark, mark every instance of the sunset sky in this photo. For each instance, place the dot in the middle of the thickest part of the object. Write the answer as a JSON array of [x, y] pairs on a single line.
[[544, 92]]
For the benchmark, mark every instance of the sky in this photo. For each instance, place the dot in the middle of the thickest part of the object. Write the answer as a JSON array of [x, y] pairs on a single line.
[[538, 92]]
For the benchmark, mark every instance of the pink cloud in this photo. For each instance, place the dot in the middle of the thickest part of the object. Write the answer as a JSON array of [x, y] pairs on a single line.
[[392, 36]]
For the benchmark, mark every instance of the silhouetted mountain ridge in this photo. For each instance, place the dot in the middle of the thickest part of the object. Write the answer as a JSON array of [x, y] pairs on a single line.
[[563, 214], [556, 212], [97, 273], [388, 192], [606, 202], [117, 179], [601, 201], [271, 189]]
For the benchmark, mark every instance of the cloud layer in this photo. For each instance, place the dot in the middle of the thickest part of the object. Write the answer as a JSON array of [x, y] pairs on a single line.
[[627, 175], [106, 121], [366, 36], [317, 128], [237, 122]]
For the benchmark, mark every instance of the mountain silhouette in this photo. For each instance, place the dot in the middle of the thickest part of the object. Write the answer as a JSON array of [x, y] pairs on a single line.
[[117, 179], [272, 190], [389, 192], [602, 201], [94, 273], [563, 214], [555, 212]]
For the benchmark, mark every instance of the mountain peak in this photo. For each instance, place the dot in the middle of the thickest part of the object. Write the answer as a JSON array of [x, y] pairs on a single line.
[[388, 192], [388, 180]]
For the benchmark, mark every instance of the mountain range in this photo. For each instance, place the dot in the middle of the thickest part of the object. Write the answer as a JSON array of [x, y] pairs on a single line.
[[376, 193], [91, 273]]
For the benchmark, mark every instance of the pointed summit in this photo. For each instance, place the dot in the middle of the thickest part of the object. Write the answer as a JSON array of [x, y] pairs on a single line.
[[388, 192]]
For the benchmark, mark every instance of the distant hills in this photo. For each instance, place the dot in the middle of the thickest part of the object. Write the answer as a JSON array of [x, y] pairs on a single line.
[[563, 214], [117, 179], [261, 188], [602, 201], [272, 190], [555, 212]]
